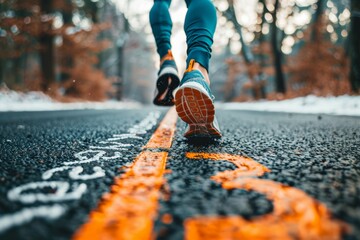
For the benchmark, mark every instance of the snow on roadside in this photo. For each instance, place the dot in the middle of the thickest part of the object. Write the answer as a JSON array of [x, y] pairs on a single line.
[[342, 105], [38, 101]]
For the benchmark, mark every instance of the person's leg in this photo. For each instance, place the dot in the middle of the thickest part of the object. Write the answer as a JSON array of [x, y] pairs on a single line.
[[193, 99], [168, 78], [200, 24], [161, 25]]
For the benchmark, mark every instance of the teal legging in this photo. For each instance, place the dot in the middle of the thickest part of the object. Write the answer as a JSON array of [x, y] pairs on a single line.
[[200, 24]]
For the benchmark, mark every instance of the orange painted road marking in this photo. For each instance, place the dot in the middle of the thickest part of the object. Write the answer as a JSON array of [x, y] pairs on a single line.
[[246, 166], [129, 210], [162, 138], [295, 215], [167, 218]]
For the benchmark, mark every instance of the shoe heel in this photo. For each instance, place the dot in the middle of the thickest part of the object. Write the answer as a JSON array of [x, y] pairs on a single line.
[[194, 107]]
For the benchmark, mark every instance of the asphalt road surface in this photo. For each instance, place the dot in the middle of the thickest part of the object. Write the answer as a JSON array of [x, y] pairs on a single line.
[[110, 175]]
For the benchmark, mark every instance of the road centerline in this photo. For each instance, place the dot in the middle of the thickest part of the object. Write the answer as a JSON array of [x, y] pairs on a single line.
[[130, 208]]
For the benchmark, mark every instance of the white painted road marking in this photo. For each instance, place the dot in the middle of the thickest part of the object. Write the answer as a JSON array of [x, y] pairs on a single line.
[[62, 188]]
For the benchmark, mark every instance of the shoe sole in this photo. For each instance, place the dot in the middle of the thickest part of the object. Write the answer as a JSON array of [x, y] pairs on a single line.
[[162, 85], [196, 109]]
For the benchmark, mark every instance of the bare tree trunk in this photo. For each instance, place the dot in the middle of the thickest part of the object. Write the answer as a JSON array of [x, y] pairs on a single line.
[[120, 50], [316, 21], [262, 36], [18, 71], [67, 61], [2, 61], [262, 54], [1, 72], [120, 72], [279, 80], [231, 16], [47, 52], [355, 46]]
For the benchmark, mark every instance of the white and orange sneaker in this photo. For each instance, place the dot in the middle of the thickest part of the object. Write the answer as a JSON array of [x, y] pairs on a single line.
[[195, 106], [168, 80]]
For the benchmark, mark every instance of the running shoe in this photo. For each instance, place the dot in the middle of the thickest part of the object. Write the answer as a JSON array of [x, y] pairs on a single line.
[[168, 80], [195, 106]]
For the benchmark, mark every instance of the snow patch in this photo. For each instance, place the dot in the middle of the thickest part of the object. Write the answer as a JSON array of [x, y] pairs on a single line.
[[342, 105], [38, 101]]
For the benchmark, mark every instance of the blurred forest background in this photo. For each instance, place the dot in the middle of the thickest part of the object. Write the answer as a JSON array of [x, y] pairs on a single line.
[[103, 49]]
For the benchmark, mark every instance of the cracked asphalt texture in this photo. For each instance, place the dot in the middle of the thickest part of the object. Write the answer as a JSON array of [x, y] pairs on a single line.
[[318, 154]]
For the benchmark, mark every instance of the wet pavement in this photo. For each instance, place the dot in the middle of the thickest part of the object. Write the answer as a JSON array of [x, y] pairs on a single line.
[[56, 168]]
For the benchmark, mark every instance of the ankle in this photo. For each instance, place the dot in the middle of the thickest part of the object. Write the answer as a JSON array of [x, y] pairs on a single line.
[[197, 66], [168, 56]]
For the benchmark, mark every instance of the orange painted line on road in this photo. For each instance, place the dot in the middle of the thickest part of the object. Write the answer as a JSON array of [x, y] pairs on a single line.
[[295, 214], [162, 138], [129, 210]]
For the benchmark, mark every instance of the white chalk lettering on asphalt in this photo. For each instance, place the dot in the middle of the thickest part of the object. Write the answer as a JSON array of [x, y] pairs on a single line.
[[49, 173], [114, 146], [124, 136], [145, 125], [75, 173], [116, 156], [28, 214], [60, 190], [117, 145], [84, 157]]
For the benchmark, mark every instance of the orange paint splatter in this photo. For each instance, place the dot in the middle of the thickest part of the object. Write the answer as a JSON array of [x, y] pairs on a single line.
[[295, 216], [129, 210], [246, 166], [167, 218]]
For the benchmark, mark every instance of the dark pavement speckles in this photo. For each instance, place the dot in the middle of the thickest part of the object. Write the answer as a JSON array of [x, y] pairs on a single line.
[[46, 140], [320, 156]]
